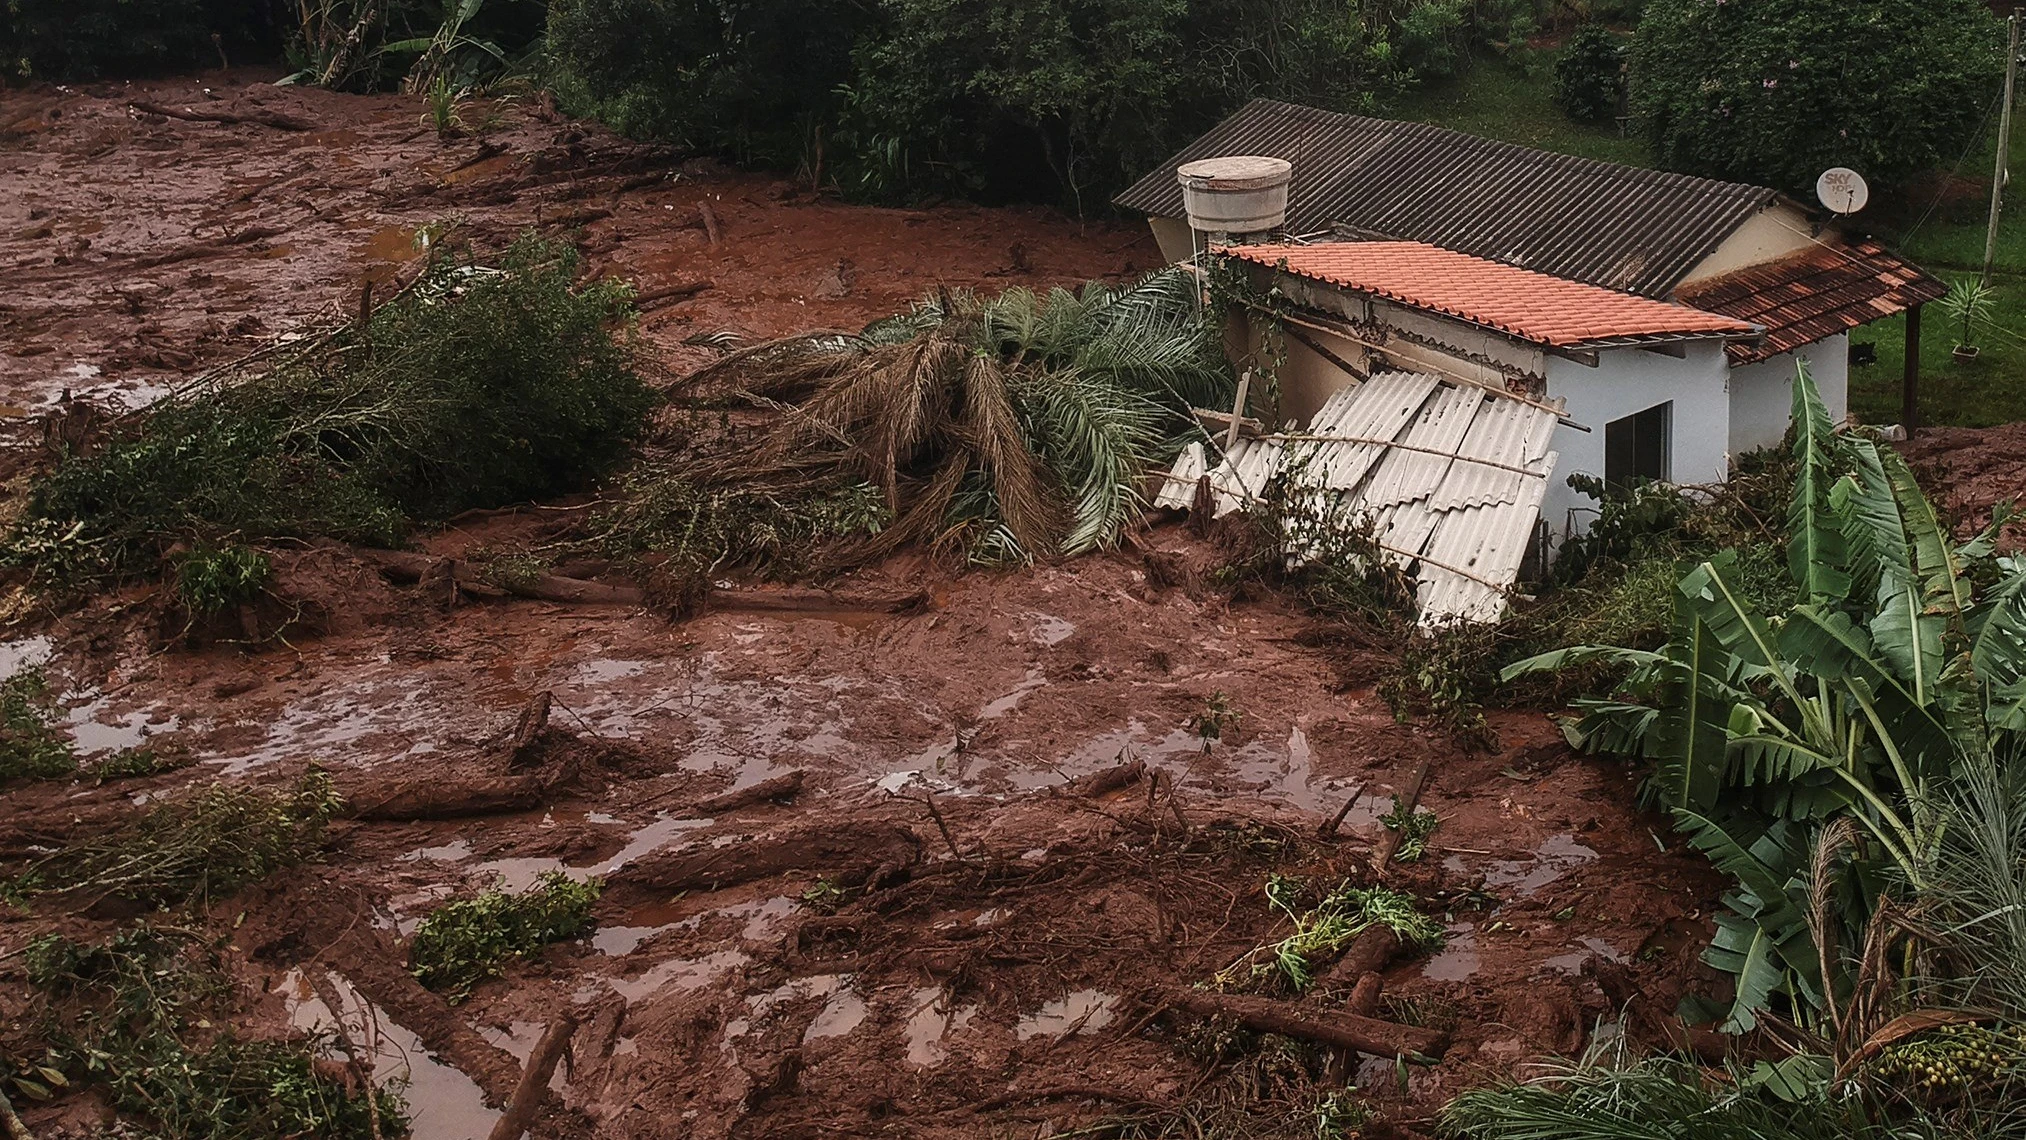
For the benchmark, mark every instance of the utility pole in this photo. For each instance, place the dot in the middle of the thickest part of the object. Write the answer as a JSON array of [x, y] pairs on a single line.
[[2004, 146]]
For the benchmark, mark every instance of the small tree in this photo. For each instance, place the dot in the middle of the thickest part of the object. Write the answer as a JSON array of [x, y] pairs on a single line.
[[1590, 74], [1776, 91]]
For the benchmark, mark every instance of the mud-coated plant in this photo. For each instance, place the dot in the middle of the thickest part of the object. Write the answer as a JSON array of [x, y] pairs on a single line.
[[463, 943], [478, 384], [31, 746]]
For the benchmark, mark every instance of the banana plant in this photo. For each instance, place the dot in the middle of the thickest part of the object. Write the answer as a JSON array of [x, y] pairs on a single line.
[[1860, 701]]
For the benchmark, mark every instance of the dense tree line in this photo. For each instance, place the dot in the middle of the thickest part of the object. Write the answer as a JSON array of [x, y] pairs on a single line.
[[1066, 100]]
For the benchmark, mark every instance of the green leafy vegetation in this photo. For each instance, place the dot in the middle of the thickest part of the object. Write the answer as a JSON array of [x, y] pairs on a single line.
[[1052, 99], [31, 746], [140, 760], [1324, 930], [1414, 829], [462, 943], [1776, 91], [1803, 751], [1216, 718], [478, 385], [1590, 74], [210, 579], [193, 849], [132, 1015]]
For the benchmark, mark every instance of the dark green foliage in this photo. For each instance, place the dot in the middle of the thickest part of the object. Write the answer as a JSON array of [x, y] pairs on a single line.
[[202, 846], [751, 78], [463, 943], [122, 1014], [141, 760], [31, 746], [211, 578], [1589, 74], [1060, 100], [63, 40], [477, 386], [1776, 91]]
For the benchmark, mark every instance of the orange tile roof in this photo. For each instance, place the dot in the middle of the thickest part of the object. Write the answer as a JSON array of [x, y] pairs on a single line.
[[1530, 306], [1819, 292]]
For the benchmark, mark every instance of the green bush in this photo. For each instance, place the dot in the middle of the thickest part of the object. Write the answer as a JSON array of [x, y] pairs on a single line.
[[211, 578], [463, 943], [478, 386], [1776, 91], [31, 746], [1589, 74]]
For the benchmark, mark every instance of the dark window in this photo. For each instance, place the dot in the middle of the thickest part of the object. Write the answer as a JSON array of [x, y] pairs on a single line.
[[1635, 448]]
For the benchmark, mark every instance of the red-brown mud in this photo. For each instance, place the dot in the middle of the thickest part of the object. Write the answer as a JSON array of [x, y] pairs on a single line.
[[934, 936]]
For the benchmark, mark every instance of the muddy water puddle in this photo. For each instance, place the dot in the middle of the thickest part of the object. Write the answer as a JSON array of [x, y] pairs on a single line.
[[443, 1103], [1457, 960], [517, 873], [931, 1024], [1523, 878], [1071, 1013]]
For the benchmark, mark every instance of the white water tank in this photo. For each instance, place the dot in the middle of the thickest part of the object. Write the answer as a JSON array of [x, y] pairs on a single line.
[[1241, 194]]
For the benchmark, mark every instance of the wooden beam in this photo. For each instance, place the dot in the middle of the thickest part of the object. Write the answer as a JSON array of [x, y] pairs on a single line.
[[1909, 390]]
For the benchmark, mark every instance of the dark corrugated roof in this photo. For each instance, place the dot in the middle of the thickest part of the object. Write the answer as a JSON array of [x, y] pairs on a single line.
[[1621, 227], [1819, 292]]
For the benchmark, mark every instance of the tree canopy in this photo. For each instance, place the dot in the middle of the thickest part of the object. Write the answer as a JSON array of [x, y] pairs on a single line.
[[1776, 91]]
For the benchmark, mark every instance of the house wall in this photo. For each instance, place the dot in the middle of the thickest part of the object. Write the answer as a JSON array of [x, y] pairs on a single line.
[[1629, 380], [1775, 231], [1762, 393]]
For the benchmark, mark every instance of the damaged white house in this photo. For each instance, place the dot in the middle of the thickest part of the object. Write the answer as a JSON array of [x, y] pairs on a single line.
[[1628, 324]]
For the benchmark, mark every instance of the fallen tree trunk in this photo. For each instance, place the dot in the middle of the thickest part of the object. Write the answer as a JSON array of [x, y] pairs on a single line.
[[781, 787], [408, 566], [263, 118], [847, 852], [1371, 952], [527, 1099], [1340, 1030], [1108, 780], [434, 799]]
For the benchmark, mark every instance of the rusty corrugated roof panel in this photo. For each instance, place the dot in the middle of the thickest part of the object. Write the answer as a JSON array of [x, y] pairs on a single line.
[[1622, 227], [1817, 293], [1521, 303]]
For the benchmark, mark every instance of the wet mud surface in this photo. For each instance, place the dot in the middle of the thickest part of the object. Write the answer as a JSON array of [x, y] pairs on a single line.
[[940, 935]]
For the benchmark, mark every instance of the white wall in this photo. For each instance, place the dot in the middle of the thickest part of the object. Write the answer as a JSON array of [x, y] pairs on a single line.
[[1776, 231], [1762, 393], [1629, 380]]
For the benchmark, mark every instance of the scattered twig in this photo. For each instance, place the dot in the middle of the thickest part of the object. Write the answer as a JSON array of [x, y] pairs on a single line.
[[1329, 830], [677, 292], [936, 813]]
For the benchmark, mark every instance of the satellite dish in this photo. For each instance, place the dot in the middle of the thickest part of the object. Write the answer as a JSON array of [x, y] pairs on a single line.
[[1842, 190]]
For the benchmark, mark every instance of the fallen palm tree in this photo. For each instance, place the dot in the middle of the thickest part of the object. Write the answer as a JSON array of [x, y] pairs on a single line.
[[1003, 428]]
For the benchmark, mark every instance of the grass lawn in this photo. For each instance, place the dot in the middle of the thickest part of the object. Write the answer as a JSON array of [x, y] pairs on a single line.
[[1510, 98], [1950, 244]]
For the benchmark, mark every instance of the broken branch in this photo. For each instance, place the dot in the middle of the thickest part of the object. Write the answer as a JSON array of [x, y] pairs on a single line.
[[1342, 1030], [273, 119], [527, 1099], [781, 787]]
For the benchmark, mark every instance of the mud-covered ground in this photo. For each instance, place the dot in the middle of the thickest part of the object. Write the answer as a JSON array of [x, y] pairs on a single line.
[[1003, 957]]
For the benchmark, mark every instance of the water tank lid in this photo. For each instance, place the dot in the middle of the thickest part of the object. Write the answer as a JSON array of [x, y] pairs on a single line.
[[1237, 172]]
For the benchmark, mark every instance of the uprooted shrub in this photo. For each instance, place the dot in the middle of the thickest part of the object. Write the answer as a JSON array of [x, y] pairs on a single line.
[[476, 386], [463, 943], [133, 1015], [999, 429], [31, 746], [195, 848]]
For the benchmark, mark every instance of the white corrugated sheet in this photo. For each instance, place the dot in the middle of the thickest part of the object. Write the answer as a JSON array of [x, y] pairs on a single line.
[[1451, 477]]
